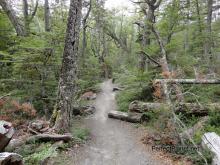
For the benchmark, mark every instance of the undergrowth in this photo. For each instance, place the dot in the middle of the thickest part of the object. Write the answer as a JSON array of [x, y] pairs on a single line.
[[135, 87]]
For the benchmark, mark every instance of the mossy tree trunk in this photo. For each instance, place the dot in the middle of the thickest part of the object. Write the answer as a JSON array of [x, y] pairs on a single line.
[[68, 75]]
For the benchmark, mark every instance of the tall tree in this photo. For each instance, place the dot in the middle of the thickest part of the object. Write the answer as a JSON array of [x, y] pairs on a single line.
[[19, 28], [68, 75]]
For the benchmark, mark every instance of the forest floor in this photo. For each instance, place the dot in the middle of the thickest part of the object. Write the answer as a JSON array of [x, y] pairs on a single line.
[[112, 142]]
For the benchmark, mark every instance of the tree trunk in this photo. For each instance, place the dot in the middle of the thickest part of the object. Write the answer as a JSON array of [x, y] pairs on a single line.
[[68, 75], [47, 15], [19, 28], [198, 16], [26, 16], [149, 18], [84, 24], [208, 44]]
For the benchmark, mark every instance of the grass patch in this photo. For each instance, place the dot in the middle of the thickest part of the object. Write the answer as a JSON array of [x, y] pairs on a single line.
[[81, 133]]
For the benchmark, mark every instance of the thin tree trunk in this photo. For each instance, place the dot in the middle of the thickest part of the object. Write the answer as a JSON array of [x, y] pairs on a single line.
[[198, 16], [149, 18], [19, 28], [68, 76], [47, 16], [208, 45], [26, 16], [84, 38]]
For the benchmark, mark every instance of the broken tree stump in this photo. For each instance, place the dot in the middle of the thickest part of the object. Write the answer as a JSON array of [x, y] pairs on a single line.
[[7, 158], [129, 117], [6, 133], [212, 141]]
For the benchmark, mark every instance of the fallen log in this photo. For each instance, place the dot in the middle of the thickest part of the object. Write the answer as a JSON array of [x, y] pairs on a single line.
[[140, 107], [211, 141], [49, 137], [185, 108], [129, 117], [7, 158], [6, 133], [196, 109], [189, 81]]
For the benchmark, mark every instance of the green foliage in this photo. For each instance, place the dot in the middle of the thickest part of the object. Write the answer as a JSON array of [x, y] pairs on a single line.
[[135, 88], [197, 159], [44, 151]]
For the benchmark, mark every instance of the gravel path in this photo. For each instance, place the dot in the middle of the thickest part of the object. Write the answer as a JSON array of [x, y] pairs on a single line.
[[113, 142]]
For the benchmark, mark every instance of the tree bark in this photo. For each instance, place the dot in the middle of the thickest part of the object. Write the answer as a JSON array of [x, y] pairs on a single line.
[[68, 75], [19, 28], [47, 16]]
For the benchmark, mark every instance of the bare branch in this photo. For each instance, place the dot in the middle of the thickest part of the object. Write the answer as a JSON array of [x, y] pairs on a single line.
[[150, 58]]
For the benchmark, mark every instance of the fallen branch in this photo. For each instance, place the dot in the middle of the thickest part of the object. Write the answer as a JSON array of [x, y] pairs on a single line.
[[189, 81], [150, 58]]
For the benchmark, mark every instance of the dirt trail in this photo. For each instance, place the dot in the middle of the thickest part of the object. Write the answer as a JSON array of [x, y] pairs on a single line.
[[113, 142]]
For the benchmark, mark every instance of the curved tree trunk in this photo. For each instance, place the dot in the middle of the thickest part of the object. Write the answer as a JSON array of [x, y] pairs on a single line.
[[19, 28], [68, 75]]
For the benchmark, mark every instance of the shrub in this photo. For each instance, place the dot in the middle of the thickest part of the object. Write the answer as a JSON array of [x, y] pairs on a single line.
[[15, 112]]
